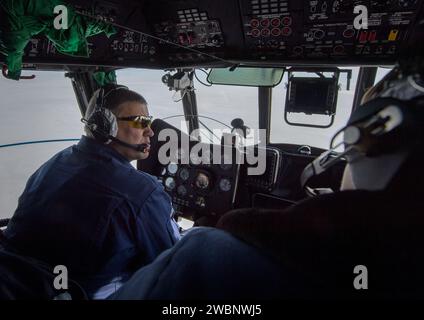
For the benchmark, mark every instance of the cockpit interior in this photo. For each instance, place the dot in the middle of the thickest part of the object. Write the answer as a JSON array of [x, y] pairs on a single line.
[[320, 57]]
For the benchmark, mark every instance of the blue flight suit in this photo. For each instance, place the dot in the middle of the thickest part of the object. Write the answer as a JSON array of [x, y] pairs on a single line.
[[89, 209]]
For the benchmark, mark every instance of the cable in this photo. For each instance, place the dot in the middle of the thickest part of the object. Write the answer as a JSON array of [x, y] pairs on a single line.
[[34, 142], [182, 97], [154, 37], [193, 115], [204, 125], [195, 75], [204, 71], [207, 128], [210, 140]]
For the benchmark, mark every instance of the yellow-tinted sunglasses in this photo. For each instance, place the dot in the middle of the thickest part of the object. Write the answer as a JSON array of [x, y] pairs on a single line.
[[139, 122]]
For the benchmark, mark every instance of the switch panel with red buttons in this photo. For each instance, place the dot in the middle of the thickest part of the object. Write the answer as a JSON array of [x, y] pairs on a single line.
[[194, 34]]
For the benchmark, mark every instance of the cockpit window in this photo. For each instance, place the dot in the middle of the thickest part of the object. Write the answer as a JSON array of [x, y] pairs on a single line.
[[32, 110], [381, 72], [218, 105]]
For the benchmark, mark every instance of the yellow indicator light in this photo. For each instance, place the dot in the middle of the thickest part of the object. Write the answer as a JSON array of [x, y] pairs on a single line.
[[393, 35]]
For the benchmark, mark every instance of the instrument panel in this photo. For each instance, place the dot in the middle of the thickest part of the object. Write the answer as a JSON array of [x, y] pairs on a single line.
[[209, 180], [205, 33], [202, 187], [320, 29], [199, 189]]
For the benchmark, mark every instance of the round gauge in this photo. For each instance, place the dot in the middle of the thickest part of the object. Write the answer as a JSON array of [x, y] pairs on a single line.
[[184, 174], [202, 181], [182, 191], [225, 185], [201, 202], [170, 183], [172, 168], [226, 162]]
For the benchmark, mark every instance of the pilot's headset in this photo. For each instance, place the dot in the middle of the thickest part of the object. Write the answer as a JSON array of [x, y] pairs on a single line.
[[379, 135], [101, 122]]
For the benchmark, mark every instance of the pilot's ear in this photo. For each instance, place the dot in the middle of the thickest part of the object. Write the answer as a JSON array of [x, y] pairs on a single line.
[[347, 181]]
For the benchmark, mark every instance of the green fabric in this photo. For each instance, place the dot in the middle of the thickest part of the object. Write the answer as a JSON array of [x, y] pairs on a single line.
[[104, 78], [27, 18]]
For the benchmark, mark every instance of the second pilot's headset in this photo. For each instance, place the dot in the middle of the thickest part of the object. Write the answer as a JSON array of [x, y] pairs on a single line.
[[380, 126], [102, 123]]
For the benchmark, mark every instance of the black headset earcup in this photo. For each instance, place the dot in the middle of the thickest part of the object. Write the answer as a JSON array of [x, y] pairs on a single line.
[[370, 144], [100, 125]]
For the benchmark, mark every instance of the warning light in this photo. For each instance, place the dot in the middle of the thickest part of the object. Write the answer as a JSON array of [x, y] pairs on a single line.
[[393, 35], [363, 36], [372, 36]]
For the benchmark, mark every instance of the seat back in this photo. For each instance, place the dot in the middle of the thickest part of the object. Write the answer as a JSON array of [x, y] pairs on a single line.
[[25, 278]]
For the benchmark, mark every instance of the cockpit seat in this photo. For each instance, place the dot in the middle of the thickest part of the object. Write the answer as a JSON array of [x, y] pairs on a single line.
[[326, 237], [25, 278]]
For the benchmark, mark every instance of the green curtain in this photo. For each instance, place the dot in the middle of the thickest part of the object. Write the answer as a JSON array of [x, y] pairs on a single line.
[[23, 19], [103, 78]]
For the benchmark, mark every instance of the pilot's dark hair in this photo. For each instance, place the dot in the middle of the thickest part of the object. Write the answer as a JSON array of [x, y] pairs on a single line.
[[115, 95]]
